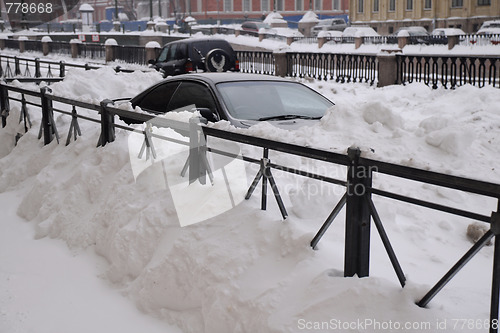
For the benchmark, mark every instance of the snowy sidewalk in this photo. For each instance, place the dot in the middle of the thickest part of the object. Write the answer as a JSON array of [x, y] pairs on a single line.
[[44, 288]]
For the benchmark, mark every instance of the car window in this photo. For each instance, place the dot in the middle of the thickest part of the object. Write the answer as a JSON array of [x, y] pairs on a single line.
[[189, 93], [171, 52], [163, 55], [157, 99], [252, 100]]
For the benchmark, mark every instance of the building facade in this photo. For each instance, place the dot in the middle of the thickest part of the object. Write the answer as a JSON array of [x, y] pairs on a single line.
[[203, 10], [386, 16]]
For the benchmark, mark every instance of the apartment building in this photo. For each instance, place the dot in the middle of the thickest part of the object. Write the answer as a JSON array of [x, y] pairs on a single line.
[[386, 16]]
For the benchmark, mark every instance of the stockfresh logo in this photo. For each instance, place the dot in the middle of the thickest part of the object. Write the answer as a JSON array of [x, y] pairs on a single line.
[[172, 155]]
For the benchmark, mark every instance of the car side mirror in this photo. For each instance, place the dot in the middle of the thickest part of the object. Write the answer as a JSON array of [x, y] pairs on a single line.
[[152, 61], [208, 114]]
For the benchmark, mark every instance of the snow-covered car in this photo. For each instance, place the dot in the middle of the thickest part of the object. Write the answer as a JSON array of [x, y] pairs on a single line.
[[242, 99], [489, 28], [190, 55], [333, 24], [254, 26], [447, 32], [359, 31], [418, 35]]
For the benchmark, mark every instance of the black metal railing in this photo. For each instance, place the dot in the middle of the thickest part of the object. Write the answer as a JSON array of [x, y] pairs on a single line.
[[132, 54], [60, 48], [12, 44], [92, 51], [258, 62], [33, 45], [449, 71], [361, 171], [339, 67], [24, 69]]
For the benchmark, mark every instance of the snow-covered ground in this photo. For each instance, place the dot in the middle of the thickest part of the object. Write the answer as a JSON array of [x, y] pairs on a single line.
[[244, 270]]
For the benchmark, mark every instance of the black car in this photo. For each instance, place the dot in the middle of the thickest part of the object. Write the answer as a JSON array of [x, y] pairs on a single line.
[[192, 55], [254, 26], [241, 99]]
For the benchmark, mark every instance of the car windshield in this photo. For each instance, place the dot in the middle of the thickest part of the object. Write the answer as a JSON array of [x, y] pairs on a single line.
[[272, 100]]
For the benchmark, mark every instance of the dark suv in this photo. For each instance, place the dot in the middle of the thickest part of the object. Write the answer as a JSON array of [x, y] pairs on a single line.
[[191, 55]]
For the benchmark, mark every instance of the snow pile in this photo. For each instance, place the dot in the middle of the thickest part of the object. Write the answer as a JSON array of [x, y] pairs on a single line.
[[309, 16], [245, 270]]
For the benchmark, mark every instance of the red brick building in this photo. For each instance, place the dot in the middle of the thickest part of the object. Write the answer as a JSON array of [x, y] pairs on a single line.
[[241, 9]]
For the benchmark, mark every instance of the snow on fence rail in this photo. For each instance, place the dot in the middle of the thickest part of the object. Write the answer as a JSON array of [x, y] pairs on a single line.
[[21, 68], [358, 183]]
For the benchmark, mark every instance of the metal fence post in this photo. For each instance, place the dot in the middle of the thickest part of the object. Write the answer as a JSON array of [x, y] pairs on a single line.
[[37, 68], [46, 116], [62, 69], [17, 67], [107, 124], [198, 165], [4, 104], [357, 233]]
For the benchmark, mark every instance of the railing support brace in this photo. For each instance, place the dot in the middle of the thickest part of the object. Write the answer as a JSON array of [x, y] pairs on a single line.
[[197, 160], [357, 233], [266, 175], [107, 125], [48, 125]]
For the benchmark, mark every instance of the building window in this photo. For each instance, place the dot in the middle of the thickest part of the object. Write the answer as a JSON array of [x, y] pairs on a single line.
[[298, 5], [336, 5], [247, 6], [428, 4], [409, 4], [279, 5], [264, 5], [228, 5], [361, 6], [392, 5], [317, 4], [375, 6], [457, 3], [484, 2]]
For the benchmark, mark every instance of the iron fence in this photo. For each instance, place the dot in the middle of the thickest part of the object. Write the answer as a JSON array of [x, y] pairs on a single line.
[[339, 67], [132, 54], [258, 62], [449, 71], [33, 45], [12, 44], [92, 51], [60, 48], [23, 69], [360, 208]]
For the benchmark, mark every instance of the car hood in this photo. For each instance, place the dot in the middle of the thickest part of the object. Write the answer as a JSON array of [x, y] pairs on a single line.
[[291, 124]]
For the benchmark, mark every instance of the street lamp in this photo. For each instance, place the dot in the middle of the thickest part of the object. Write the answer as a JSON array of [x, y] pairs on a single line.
[[116, 10], [151, 10]]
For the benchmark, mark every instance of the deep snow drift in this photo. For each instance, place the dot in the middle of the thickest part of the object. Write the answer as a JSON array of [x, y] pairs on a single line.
[[245, 270]]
